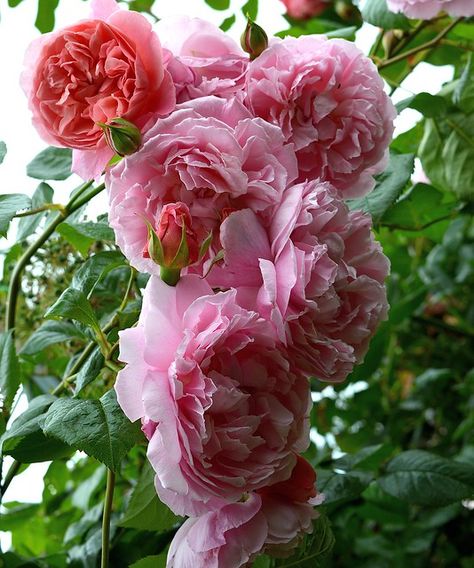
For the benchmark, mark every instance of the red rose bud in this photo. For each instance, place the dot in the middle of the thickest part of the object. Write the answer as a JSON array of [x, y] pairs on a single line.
[[300, 487], [254, 40], [122, 136], [175, 244]]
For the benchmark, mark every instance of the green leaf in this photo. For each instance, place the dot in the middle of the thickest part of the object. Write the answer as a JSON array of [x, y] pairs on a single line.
[[342, 487], [227, 23], [96, 230], [314, 548], [89, 371], [447, 153], [52, 163], [345, 33], [429, 105], [389, 186], [408, 142], [97, 427], [50, 333], [463, 95], [145, 511], [45, 17], [14, 3], [9, 368], [250, 8], [25, 440], [423, 478], [76, 239], [73, 304], [27, 226], [3, 151], [376, 12], [94, 269], [367, 459], [420, 207], [218, 4], [158, 561], [14, 517], [10, 204], [141, 5]]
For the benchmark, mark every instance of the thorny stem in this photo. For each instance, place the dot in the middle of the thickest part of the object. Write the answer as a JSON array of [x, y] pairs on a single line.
[[47, 207]]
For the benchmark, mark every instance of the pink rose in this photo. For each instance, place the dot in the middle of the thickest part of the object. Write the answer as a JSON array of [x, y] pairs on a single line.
[[427, 9], [106, 67], [314, 271], [235, 534], [209, 154], [202, 59], [329, 100], [229, 411], [304, 9]]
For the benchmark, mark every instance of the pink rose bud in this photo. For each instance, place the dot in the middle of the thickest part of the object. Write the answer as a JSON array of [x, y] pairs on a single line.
[[175, 245], [122, 136], [254, 40]]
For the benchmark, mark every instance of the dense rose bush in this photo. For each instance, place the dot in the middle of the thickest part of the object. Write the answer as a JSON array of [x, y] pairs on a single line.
[[303, 9], [98, 69], [314, 270], [201, 58], [222, 405], [211, 155], [329, 100], [427, 9]]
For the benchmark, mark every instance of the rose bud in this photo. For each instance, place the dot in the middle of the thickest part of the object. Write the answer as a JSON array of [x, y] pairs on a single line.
[[175, 244], [122, 136], [254, 40]]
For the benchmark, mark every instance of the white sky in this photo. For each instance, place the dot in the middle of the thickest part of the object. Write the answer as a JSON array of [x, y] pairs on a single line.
[[17, 30]]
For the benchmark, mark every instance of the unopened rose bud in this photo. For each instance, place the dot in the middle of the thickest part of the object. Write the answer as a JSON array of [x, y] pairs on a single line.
[[174, 245], [122, 136], [254, 40]]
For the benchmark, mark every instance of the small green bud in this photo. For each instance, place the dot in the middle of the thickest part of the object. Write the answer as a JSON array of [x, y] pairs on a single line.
[[254, 40], [122, 136]]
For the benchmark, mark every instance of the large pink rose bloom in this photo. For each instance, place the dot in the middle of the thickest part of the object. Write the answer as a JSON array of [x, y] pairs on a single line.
[[211, 155], [222, 406], [314, 270], [304, 9], [427, 9], [201, 58], [98, 69], [235, 534], [329, 100]]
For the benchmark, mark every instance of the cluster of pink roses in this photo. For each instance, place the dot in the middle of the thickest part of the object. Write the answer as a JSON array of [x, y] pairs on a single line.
[[235, 197]]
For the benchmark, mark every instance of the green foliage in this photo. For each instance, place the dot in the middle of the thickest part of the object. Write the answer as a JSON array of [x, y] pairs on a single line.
[[51, 164], [250, 8], [9, 367], [145, 511], [97, 427], [218, 4], [45, 18], [73, 304], [43, 195], [3, 151], [10, 204], [426, 479], [376, 12]]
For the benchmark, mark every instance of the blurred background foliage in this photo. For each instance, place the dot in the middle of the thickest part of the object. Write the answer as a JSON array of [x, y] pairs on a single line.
[[393, 445]]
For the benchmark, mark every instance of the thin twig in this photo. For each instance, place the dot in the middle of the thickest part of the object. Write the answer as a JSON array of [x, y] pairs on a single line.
[[428, 45], [109, 496]]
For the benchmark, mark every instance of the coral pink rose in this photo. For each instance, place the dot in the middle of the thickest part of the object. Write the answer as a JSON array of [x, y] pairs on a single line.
[[235, 534], [304, 9], [217, 395], [427, 9], [209, 154], [329, 100], [314, 271], [202, 59], [106, 67]]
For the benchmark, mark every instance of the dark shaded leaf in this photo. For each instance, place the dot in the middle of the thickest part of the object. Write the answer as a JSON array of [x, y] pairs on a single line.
[[9, 368], [73, 304], [49, 333]]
